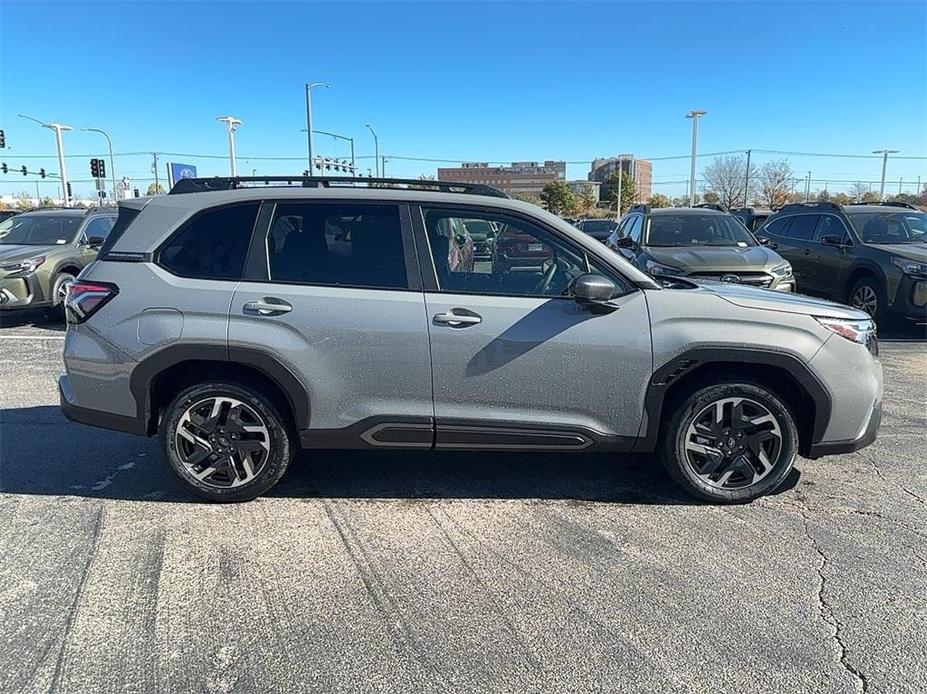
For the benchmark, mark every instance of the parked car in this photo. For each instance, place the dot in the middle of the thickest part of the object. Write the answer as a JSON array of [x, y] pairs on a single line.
[[483, 235], [873, 257], [6, 214], [701, 243], [599, 229], [241, 322], [41, 251], [752, 217]]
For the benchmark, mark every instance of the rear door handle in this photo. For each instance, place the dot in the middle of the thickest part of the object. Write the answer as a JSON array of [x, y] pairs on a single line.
[[458, 318], [268, 306], [806, 251]]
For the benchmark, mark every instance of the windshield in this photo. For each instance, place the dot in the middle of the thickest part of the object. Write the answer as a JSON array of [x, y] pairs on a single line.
[[603, 225], [890, 227], [696, 230], [39, 230]]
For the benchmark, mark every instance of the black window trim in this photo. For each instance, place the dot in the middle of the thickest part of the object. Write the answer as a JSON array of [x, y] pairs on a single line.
[[846, 228], [430, 275], [257, 265]]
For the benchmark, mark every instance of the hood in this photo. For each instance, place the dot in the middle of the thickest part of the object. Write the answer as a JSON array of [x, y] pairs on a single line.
[[13, 252], [911, 251], [716, 258], [769, 300]]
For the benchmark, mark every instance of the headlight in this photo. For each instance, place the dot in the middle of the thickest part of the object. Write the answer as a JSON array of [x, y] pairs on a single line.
[[783, 270], [657, 269], [852, 329], [24, 266], [910, 267]]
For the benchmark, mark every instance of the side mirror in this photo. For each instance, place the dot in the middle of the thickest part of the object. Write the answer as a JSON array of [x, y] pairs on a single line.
[[95, 241], [766, 241], [624, 242], [593, 290], [832, 240]]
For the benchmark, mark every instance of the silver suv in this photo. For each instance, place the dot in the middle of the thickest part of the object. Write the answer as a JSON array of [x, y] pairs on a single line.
[[242, 322]]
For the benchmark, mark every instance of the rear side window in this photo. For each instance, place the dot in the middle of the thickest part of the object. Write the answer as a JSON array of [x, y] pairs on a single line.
[[126, 216], [213, 245], [777, 227], [337, 245], [802, 228]]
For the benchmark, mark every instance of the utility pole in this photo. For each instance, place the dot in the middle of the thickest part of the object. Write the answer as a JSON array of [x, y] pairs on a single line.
[[58, 128], [884, 153], [112, 159], [230, 125], [376, 148], [899, 184], [747, 180], [694, 115], [309, 87], [808, 187], [154, 169], [384, 159]]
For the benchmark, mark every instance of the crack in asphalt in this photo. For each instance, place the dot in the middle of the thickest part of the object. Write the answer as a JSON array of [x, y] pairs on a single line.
[[882, 477]]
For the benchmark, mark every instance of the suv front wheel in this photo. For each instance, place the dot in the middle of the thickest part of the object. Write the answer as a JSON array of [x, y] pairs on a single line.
[[225, 442], [730, 442]]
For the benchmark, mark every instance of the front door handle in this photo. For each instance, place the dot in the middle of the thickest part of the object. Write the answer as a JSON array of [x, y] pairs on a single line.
[[268, 306], [806, 251], [458, 318]]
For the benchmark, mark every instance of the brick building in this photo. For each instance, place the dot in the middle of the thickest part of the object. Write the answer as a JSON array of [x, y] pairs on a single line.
[[523, 178], [640, 169]]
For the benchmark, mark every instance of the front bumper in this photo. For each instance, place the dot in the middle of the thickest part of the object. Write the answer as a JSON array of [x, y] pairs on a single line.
[[22, 291], [867, 437], [911, 298]]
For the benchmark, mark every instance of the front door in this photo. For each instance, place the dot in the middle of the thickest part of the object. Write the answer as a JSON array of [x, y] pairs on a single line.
[[832, 262], [331, 292], [516, 362]]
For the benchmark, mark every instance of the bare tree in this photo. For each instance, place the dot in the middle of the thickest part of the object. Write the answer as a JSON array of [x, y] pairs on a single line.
[[775, 183], [858, 190], [726, 176]]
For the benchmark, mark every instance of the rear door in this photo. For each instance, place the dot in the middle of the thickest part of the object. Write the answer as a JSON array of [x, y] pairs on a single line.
[[516, 362], [799, 246], [332, 290]]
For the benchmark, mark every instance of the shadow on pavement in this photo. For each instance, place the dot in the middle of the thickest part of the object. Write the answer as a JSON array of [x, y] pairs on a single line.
[[41, 453], [31, 318]]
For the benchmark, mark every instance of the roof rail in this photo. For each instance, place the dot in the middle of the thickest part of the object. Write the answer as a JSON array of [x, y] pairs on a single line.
[[642, 207], [202, 185], [822, 204], [888, 203], [712, 206]]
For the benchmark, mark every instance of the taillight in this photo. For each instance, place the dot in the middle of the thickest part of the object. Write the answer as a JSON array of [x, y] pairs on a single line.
[[86, 298]]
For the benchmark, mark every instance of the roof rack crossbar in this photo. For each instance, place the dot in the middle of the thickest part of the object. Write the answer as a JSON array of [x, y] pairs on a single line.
[[202, 185], [888, 203], [822, 204]]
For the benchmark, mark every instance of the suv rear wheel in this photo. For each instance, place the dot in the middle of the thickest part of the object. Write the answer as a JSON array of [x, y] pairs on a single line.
[[730, 442], [226, 442]]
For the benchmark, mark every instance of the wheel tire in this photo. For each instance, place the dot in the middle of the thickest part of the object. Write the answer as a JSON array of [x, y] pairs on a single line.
[[868, 287], [58, 293], [673, 442], [254, 407]]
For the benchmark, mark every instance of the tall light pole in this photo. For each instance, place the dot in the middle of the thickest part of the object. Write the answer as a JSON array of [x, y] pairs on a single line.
[[112, 159], [57, 127], [694, 115], [376, 148], [747, 180], [884, 153], [230, 123], [309, 87]]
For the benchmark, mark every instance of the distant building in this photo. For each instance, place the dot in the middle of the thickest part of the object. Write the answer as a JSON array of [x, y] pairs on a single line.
[[579, 187], [525, 178], [640, 169]]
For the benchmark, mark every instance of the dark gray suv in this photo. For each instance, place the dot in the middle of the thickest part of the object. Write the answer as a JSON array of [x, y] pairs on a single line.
[[242, 322]]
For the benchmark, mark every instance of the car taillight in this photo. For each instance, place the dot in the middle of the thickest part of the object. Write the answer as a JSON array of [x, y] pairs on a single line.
[[86, 298]]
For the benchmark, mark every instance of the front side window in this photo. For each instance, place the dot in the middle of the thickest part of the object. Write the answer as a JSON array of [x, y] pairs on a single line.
[[634, 228], [345, 245], [890, 227], [99, 227], [690, 229], [831, 226], [526, 260], [213, 245], [39, 229]]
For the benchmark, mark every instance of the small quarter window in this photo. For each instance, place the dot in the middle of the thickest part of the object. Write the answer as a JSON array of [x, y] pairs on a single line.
[[213, 245]]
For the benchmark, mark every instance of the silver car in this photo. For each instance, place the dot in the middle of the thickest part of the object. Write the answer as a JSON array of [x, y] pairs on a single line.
[[243, 322]]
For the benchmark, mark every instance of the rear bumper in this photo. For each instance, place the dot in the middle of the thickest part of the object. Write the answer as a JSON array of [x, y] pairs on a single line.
[[868, 436], [96, 418]]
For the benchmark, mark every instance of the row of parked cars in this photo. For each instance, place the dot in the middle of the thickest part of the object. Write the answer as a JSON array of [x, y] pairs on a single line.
[[872, 256]]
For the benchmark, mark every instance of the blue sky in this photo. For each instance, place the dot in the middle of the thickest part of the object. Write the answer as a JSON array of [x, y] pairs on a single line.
[[468, 81]]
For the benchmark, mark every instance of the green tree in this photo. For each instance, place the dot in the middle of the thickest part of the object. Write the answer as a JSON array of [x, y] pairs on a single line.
[[587, 198], [660, 200], [557, 198], [47, 202], [711, 197], [841, 198], [870, 197], [155, 189], [628, 191]]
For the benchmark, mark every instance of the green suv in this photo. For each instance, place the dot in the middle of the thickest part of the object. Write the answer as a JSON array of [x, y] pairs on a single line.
[[41, 251], [873, 257]]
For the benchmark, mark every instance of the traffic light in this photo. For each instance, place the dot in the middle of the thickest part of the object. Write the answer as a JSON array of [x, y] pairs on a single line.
[[42, 173], [95, 168], [4, 168], [101, 165], [2, 139], [135, 192], [25, 170], [70, 194]]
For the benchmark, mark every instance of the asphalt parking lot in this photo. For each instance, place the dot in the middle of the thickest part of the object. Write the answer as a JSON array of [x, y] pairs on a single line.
[[452, 572]]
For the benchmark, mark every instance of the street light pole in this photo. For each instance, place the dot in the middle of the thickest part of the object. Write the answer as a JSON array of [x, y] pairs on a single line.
[[747, 180], [309, 87], [884, 153], [694, 115], [57, 127], [112, 159], [376, 148], [230, 123]]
